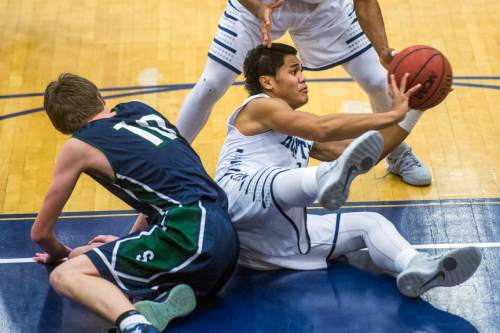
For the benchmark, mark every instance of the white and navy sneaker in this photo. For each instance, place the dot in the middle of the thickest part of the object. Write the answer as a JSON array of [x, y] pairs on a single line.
[[179, 302], [425, 272], [334, 178], [409, 168]]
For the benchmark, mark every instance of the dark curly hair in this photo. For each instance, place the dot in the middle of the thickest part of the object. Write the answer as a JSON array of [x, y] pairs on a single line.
[[264, 61]]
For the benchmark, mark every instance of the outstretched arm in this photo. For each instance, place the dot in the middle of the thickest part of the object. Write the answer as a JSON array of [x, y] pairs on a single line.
[[264, 114], [393, 135], [68, 168], [371, 21]]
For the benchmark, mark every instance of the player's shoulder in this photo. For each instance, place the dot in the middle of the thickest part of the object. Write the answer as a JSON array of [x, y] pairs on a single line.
[[74, 147], [74, 153], [265, 105], [134, 107]]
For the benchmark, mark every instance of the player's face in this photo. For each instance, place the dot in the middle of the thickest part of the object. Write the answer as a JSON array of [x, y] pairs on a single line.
[[289, 83]]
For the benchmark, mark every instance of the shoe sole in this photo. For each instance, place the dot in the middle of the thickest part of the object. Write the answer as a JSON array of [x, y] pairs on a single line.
[[453, 269], [411, 181], [359, 157], [180, 302]]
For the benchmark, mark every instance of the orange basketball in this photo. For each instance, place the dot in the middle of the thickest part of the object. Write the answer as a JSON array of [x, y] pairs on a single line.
[[426, 66]]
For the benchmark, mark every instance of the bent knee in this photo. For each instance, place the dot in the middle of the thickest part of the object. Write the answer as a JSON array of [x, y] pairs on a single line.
[[67, 273], [60, 277]]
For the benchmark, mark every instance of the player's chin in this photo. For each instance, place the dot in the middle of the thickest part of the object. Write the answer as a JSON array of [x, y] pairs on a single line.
[[304, 98]]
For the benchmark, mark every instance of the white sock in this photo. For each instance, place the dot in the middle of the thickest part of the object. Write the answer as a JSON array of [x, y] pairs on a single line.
[[132, 320], [296, 187], [404, 258]]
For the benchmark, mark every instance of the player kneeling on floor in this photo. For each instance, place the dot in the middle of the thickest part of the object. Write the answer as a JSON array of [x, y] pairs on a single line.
[[182, 241]]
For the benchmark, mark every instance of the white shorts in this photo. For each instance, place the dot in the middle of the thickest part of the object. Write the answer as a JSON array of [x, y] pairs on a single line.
[[272, 236], [326, 35]]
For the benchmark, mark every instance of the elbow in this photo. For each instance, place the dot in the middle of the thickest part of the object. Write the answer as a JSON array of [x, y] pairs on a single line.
[[37, 235]]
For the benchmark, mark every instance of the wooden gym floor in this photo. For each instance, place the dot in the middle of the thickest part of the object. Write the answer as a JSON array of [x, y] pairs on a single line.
[[119, 44], [154, 50]]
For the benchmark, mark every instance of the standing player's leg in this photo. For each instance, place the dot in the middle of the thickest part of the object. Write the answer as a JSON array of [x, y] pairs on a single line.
[[237, 33], [212, 85], [367, 71]]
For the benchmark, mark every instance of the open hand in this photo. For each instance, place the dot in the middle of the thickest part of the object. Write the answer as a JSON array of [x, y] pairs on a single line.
[[401, 96], [45, 258]]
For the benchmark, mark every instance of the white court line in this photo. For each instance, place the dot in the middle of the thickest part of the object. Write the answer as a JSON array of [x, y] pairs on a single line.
[[16, 261], [456, 245], [417, 246]]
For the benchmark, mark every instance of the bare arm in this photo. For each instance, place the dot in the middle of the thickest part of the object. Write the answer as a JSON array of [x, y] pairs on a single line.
[[371, 21], [67, 171], [393, 135], [141, 223], [328, 151], [273, 113], [264, 114]]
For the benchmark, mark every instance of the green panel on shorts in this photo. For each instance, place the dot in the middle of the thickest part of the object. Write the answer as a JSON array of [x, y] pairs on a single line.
[[168, 246]]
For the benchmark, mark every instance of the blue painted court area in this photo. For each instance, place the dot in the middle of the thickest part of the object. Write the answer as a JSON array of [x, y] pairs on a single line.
[[344, 298]]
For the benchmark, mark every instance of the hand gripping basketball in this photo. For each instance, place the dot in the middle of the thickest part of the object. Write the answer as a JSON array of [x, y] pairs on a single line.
[[426, 66]]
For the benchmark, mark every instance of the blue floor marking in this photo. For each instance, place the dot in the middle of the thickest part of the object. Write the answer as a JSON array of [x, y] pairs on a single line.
[[144, 90]]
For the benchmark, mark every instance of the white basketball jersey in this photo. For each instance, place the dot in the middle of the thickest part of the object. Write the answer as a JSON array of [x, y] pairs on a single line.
[[246, 170], [244, 154]]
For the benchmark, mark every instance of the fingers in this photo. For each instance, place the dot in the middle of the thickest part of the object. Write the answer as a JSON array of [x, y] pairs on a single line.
[[402, 86], [277, 4], [98, 239], [267, 22], [392, 84], [265, 28], [40, 257], [266, 40], [404, 80], [413, 89], [102, 239]]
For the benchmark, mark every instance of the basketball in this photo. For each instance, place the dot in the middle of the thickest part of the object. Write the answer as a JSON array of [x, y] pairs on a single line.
[[426, 66]]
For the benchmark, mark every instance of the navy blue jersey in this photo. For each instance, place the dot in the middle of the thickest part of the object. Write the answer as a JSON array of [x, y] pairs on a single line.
[[154, 166]]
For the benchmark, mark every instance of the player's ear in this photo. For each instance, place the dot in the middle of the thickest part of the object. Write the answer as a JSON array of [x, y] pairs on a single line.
[[266, 82]]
